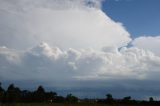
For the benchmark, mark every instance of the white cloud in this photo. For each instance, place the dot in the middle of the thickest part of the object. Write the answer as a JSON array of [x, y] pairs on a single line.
[[148, 43], [67, 24], [45, 63], [127, 68], [92, 46]]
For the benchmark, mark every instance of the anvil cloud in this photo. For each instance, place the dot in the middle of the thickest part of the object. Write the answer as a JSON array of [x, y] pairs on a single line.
[[67, 24]]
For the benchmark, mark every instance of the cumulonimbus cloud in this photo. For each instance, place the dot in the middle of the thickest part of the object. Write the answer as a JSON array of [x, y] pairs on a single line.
[[86, 45], [67, 24]]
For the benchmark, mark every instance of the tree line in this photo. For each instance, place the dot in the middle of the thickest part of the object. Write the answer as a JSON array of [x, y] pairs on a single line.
[[14, 94]]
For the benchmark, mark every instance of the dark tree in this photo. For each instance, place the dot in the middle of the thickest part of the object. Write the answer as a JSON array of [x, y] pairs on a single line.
[[39, 94], [27, 96], [1, 93], [13, 94], [51, 96], [151, 99], [127, 99], [109, 98], [71, 99], [59, 99]]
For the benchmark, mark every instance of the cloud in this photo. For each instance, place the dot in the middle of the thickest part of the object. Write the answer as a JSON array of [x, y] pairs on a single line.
[[43, 63], [148, 43], [67, 24], [84, 48]]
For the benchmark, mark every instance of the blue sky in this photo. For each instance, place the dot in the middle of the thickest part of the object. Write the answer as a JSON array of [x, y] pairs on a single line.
[[140, 17]]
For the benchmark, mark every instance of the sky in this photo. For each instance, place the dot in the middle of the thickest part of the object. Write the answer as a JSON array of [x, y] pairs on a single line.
[[140, 17], [85, 47]]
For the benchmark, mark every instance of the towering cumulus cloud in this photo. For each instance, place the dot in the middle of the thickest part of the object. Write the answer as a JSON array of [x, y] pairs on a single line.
[[73, 43]]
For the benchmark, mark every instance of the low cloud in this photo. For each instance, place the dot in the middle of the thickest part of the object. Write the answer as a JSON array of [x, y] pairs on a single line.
[[148, 43], [127, 68], [43, 63]]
